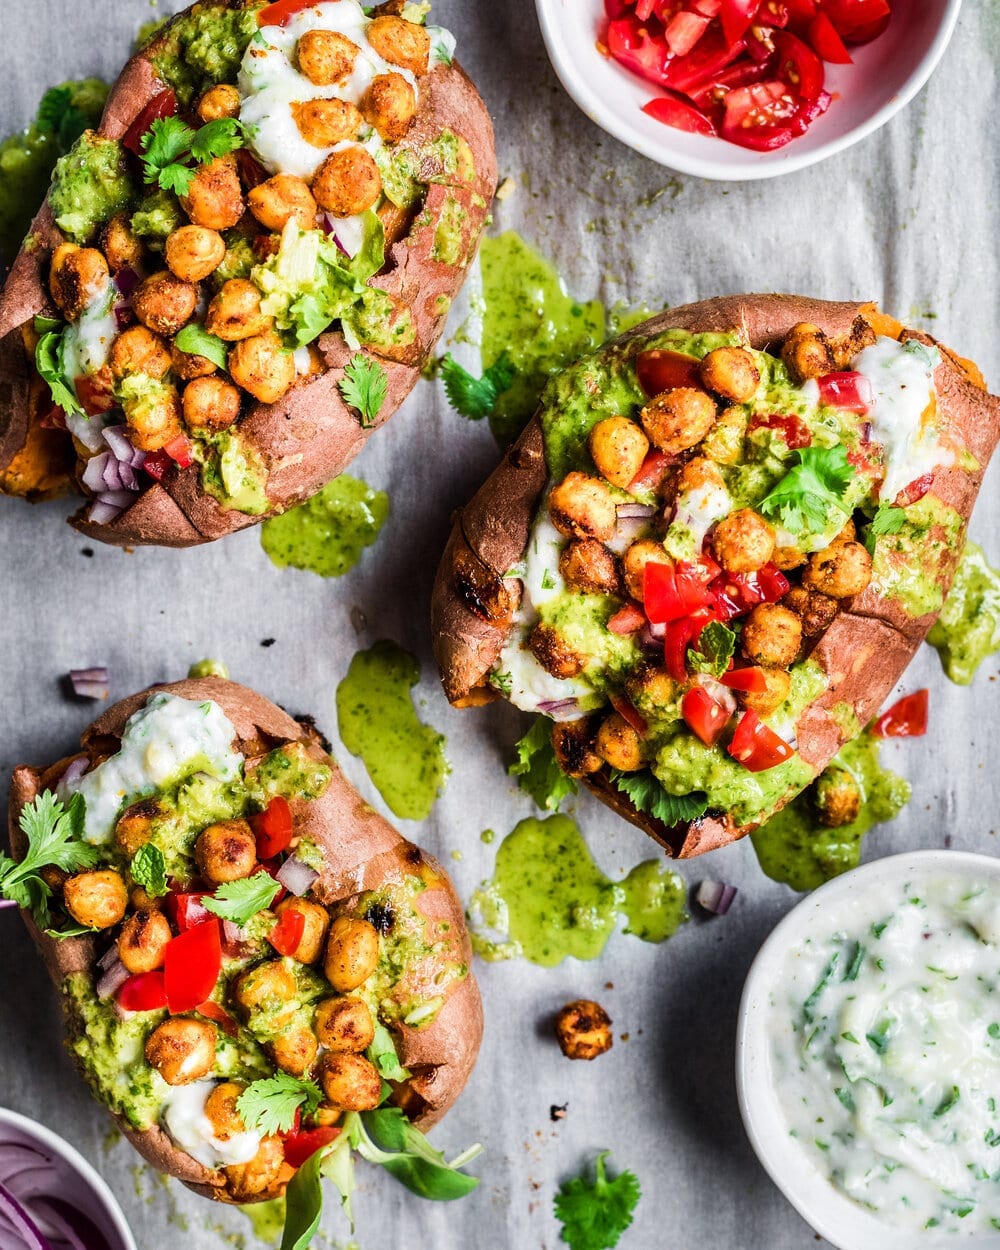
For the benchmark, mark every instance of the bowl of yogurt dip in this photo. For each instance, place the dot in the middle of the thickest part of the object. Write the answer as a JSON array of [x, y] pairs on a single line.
[[868, 1054]]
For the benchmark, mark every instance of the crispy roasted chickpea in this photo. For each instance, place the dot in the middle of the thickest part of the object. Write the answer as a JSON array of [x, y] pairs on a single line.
[[618, 447], [344, 1024], [154, 416], [350, 1081], [182, 1049], [772, 636], [651, 690], [724, 441], [634, 565], [122, 249], [554, 654], [210, 403], [193, 252], [267, 987], [139, 350], [837, 797], [583, 1030], [786, 558], [316, 921], [327, 57], [327, 1115], [218, 102], [743, 542], [96, 899], [842, 570], [583, 507], [139, 900], [348, 182], [164, 303], [806, 352], [848, 534], [699, 474], [282, 199], [390, 104], [401, 43], [730, 372], [189, 365], [573, 744], [678, 419], [234, 313], [143, 940], [76, 276], [619, 745], [215, 197], [226, 851], [294, 1050], [764, 702], [816, 610], [589, 566], [261, 1176], [352, 951], [262, 366], [222, 1111], [135, 825], [324, 123], [846, 346]]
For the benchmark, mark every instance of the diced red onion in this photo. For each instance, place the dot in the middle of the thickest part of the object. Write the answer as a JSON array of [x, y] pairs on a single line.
[[720, 693], [117, 498], [93, 474], [21, 1222], [295, 876], [102, 513], [635, 510], [7, 902], [626, 532], [657, 630], [715, 896], [650, 643], [109, 957], [347, 233], [112, 981], [126, 280], [74, 772], [122, 447], [560, 709], [123, 316], [89, 683], [866, 432]]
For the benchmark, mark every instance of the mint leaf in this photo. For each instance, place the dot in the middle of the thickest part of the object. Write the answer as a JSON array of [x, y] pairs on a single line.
[[716, 644], [148, 870]]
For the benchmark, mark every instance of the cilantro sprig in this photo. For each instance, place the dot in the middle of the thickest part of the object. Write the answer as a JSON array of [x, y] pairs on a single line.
[[474, 397], [594, 1216], [649, 796], [364, 387], [537, 770], [888, 519], [50, 363], [170, 146], [54, 832], [270, 1105], [239, 901], [804, 498]]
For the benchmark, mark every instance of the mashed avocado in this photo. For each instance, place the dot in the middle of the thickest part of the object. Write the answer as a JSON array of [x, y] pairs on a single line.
[[449, 238], [90, 184], [159, 214], [909, 566], [204, 47], [233, 473]]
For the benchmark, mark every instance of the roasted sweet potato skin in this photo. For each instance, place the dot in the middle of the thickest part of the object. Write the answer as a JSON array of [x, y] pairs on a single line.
[[306, 438], [362, 852], [865, 650]]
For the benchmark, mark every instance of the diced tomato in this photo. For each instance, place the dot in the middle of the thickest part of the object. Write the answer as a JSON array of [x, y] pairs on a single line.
[[684, 30], [772, 582], [798, 13], [629, 714], [674, 111], [303, 1145], [191, 966], [627, 620], [914, 491], [793, 429], [707, 8], [757, 747], [849, 391], [711, 93], [749, 680], [162, 105], [826, 42], [156, 464], [644, 9], [704, 717], [711, 56], [144, 991], [633, 46], [186, 909], [282, 11], [651, 475], [181, 451], [798, 66], [736, 593], [52, 418], [858, 21], [661, 370], [287, 933], [736, 16], [95, 394], [273, 827], [757, 116], [213, 1011], [672, 591], [679, 635], [907, 718], [615, 8]]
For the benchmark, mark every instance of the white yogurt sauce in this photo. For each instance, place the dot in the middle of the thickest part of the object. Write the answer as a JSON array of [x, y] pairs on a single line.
[[884, 1039], [695, 513], [86, 347], [167, 740], [185, 1120]]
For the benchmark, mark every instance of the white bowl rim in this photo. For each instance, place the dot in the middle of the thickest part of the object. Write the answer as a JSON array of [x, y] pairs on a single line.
[[70, 1155], [755, 1097], [769, 164]]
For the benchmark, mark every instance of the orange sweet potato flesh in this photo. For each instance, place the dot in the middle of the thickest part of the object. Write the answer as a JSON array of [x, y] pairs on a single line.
[[310, 435], [362, 852], [864, 651]]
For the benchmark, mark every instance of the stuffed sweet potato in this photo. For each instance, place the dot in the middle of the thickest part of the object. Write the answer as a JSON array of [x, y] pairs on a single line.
[[240, 274], [713, 551], [254, 965]]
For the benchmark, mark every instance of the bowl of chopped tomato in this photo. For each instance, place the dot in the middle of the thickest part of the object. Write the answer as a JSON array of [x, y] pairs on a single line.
[[744, 89]]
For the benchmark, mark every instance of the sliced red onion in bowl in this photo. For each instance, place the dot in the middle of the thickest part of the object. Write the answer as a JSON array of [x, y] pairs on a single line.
[[20, 1222], [715, 896], [112, 981], [89, 683], [67, 1226], [296, 876]]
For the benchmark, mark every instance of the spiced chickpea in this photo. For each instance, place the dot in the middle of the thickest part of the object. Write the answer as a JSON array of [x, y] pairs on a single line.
[[731, 372], [282, 199], [348, 182], [816, 610], [618, 447], [699, 474], [583, 507], [222, 1111], [210, 403], [218, 102], [787, 558], [679, 419], [352, 951], [154, 417], [96, 899], [573, 744], [139, 350], [651, 690], [135, 825], [76, 276], [724, 441], [323, 123], [390, 104], [294, 1050], [848, 534], [143, 941], [350, 1081], [588, 566], [262, 366], [772, 636], [215, 196], [261, 1176], [842, 570], [806, 352], [122, 249], [401, 43], [634, 565], [234, 313], [267, 987], [837, 797], [846, 346], [554, 654], [345, 1024], [189, 365], [764, 702], [583, 1030], [182, 1049], [226, 851], [743, 542], [193, 252], [619, 745], [316, 922], [327, 57], [164, 303]]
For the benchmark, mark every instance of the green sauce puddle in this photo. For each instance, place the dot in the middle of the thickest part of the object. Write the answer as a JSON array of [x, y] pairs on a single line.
[[548, 899], [968, 630], [795, 848], [267, 1219], [328, 533], [378, 723]]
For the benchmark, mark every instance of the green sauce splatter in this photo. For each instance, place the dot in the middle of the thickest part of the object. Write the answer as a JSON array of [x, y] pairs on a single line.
[[379, 724], [327, 534], [968, 630], [267, 1219], [549, 900], [795, 848]]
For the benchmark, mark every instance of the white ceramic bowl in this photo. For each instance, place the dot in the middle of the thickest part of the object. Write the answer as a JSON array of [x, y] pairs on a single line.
[[831, 1213], [887, 73], [81, 1186]]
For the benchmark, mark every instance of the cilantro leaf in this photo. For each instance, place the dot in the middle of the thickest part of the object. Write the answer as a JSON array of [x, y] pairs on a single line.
[[537, 769], [474, 397], [364, 387], [165, 145], [269, 1105], [594, 1216], [149, 870], [716, 644], [803, 499], [382, 1053], [59, 116], [52, 370], [649, 796], [239, 901], [219, 138], [887, 520], [197, 341], [54, 832]]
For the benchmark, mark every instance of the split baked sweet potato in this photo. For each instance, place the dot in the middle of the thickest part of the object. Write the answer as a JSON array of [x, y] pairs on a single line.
[[240, 274], [713, 551]]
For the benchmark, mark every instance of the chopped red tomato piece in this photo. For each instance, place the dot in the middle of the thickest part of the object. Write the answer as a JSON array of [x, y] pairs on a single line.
[[798, 67], [302, 1145], [684, 30], [162, 105], [905, 719], [736, 16], [95, 395], [287, 933], [850, 391], [282, 11], [678, 636], [773, 583], [672, 591], [181, 451], [757, 747], [826, 42], [749, 680], [712, 55], [213, 1011], [191, 966], [627, 620], [186, 909], [156, 464], [144, 991], [674, 111], [704, 717], [858, 21], [273, 827], [661, 370], [634, 47], [615, 8], [914, 491], [623, 706], [793, 429], [652, 473]]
